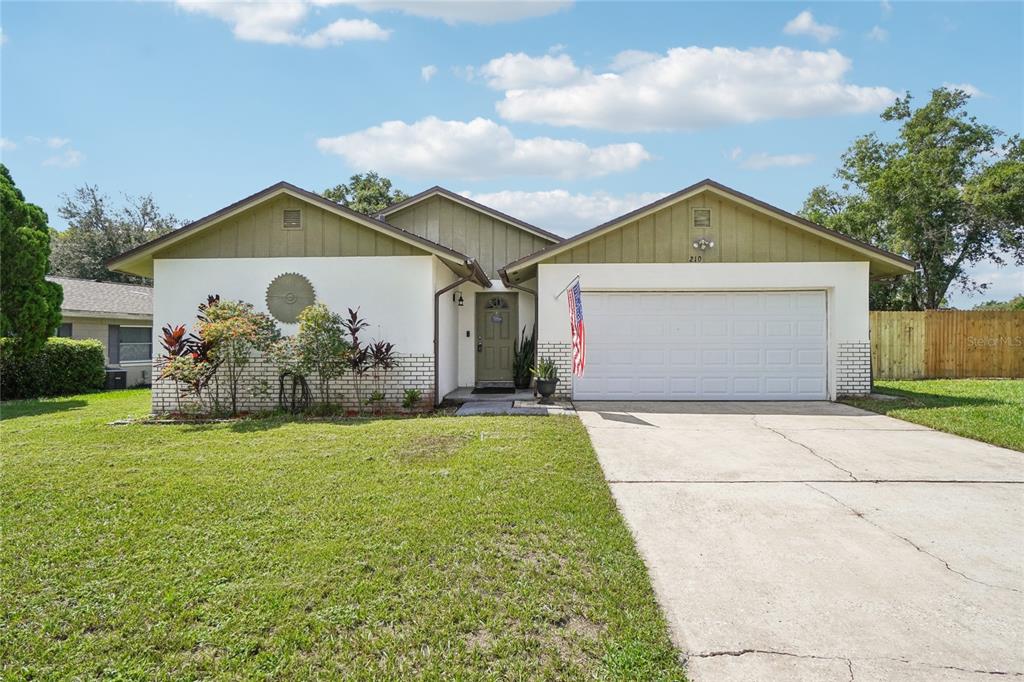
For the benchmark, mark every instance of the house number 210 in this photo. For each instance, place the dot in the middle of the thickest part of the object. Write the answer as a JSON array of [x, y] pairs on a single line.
[[696, 259]]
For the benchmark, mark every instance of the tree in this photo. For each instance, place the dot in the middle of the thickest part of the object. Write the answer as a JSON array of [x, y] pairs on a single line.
[[946, 193], [98, 231], [368, 193], [234, 332], [29, 305], [1015, 303], [321, 346]]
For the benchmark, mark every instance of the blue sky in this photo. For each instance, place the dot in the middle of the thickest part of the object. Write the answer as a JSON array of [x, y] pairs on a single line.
[[564, 114]]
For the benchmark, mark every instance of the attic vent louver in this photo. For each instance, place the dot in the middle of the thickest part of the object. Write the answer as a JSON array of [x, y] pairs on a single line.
[[702, 217], [292, 219]]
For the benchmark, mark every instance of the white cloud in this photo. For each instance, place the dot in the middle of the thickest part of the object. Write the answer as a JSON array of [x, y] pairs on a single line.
[[762, 161], [627, 59], [556, 48], [427, 72], [277, 23], [886, 8], [69, 157], [969, 88], [7, 145], [519, 70], [3, 36], [877, 34], [562, 212], [694, 87], [479, 148], [734, 153], [57, 142], [465, 11], [805, 25]]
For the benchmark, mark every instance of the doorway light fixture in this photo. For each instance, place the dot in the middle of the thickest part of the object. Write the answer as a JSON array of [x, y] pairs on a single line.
[[457, 297]]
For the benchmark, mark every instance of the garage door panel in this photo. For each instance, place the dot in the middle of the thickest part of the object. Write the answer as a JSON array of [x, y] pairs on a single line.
[[716, 345], [683, 328], [746, 358], [712, 327], [683, 358], [782, 328], [811, 357], [746, 328], [714, 357]]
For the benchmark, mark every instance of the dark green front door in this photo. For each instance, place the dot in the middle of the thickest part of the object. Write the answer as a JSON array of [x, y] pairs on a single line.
[[496, 318]]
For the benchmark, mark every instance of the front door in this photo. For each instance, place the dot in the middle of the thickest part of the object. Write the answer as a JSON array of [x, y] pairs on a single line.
[[496, 320]]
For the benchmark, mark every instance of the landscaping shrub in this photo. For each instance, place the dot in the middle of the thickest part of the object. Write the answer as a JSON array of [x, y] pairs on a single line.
[[60, 367]]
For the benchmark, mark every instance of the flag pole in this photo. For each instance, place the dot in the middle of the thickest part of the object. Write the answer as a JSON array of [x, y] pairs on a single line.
[[566, 287]]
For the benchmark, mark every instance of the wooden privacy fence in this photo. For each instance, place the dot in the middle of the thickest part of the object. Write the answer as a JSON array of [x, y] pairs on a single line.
[[947, 344]]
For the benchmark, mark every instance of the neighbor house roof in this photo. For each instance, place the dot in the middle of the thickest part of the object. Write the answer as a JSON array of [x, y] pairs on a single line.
[[84, 297], [437, 190], [895, 262], [452, 257]]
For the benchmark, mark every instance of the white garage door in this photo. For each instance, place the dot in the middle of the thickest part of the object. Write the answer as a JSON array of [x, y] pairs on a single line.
[[758, 345]]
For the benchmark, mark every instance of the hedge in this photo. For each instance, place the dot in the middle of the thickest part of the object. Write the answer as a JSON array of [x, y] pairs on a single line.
[[60, 367]]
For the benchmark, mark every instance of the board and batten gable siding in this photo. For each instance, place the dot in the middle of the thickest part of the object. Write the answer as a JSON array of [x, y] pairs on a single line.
[[740, 234], [258, 232], [493, 243]]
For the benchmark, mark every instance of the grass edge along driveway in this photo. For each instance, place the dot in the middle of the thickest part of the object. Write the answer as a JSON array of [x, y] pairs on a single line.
[[989, 410], [471, 548]]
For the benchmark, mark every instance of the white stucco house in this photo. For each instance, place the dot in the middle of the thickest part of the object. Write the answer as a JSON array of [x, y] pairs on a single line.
[[705, 294]]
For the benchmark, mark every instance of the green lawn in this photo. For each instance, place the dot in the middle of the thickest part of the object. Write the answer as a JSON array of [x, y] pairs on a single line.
[[990, 410], [435, 547]]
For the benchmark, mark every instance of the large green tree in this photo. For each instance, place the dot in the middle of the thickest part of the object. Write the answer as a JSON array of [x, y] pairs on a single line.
[[947, 192], [97, 231], [368, 193], [29, 305]]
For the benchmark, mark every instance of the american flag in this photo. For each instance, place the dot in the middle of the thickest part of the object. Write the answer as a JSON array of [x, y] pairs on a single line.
[[579, 331]]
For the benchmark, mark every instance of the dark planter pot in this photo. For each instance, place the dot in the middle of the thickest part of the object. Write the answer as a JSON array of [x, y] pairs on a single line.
[[522, 382], [546, 388]]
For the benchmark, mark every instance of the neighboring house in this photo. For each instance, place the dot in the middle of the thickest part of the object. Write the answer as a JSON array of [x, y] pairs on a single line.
[[705, 294], [120, 316]]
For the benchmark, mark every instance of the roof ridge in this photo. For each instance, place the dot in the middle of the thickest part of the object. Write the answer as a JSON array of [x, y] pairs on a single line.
[[101, 281], [455, 196]]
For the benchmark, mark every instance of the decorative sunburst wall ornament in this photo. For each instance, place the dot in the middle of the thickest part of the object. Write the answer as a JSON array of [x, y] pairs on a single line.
[[288, 295]]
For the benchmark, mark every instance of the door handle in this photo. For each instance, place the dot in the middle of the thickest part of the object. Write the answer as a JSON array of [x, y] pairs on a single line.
[[479, 344]]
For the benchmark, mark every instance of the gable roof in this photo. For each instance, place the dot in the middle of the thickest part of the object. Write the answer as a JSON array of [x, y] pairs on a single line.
[[113, 299], [449, 256], [437, 190], [894, 261]]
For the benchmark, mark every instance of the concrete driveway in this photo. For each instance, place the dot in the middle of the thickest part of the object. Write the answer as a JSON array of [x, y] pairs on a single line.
[[816, 541]]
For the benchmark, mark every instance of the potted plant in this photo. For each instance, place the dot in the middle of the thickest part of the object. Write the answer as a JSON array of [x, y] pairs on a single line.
[[546, 374]]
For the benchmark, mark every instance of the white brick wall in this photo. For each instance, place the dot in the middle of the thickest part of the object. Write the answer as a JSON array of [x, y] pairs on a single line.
[[561, 355], [258, 388], [853, 368]]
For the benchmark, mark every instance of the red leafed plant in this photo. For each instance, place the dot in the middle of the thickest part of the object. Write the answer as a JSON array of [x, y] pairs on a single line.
[[188, 358], [174, 340]]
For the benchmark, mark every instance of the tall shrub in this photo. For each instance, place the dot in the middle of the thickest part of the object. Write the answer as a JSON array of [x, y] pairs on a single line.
[[29, 305], [58, 367], [358, 355], [235, 333], [321, 346]]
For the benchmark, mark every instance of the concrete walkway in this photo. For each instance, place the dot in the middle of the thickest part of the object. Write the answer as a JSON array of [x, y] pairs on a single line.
[[815, 541]]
